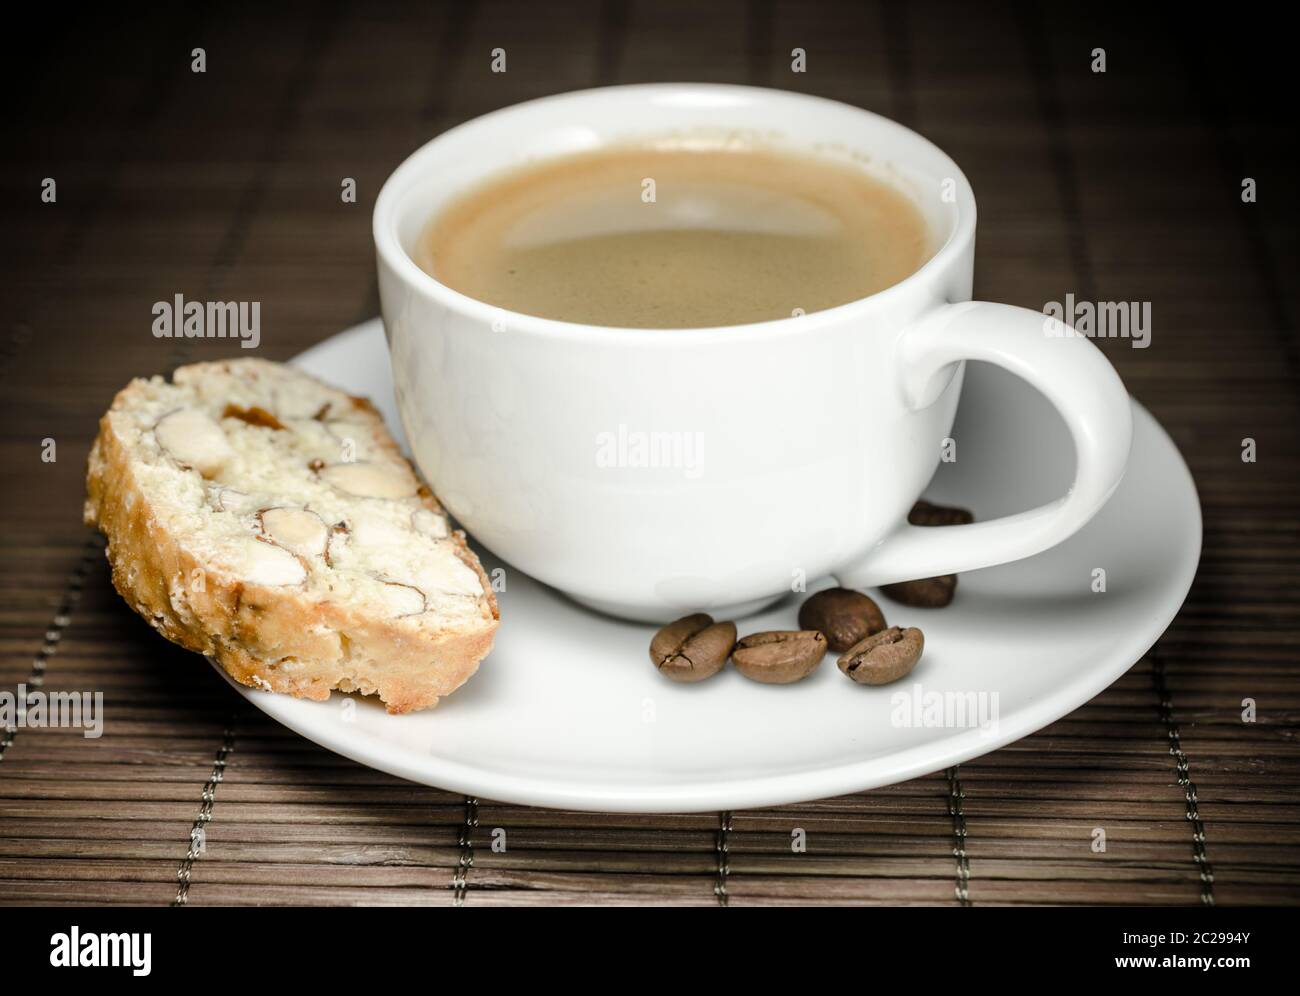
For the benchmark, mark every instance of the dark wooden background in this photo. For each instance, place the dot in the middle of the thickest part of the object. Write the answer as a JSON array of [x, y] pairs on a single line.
[[1120, 186]]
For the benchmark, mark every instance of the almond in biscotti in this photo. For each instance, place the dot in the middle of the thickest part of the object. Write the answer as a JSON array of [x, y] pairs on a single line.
[[298, 530], [326, 564], [192, 438], [369, 480]]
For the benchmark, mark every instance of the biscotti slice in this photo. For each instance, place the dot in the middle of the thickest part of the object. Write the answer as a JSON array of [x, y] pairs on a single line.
[[267, 520]]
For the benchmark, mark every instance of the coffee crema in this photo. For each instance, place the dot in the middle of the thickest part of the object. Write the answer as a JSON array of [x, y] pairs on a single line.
[[650, 237]]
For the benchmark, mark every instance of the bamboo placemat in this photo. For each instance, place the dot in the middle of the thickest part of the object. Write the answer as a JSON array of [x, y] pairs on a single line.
[[1122, 186]]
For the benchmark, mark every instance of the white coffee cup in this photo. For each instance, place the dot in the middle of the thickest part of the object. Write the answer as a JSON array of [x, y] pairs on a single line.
[[651, 473]]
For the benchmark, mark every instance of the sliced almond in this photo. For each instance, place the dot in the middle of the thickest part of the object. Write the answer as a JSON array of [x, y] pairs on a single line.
[[448, 574], [194, 440], [430, 523], [230, 500], [371, 480], [255, 561], [369, 528], [337, 538], [298, 530], [402, 599]]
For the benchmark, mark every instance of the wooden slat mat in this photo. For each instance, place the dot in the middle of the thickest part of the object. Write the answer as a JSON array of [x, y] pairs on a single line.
[[1121, 186]]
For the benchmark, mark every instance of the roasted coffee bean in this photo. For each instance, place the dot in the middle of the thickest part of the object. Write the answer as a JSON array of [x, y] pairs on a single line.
[[884, 657], [927, 593], [779, 657], [692, 648], [925, 514], [843, 616]]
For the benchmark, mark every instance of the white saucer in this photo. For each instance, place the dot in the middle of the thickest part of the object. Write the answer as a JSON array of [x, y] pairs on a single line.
[[569, 712]]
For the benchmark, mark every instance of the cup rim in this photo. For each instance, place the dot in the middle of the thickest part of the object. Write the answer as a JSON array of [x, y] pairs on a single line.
[[389, 247]]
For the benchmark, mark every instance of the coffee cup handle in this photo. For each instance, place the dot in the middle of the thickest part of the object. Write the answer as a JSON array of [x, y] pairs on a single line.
[[1074, 376]]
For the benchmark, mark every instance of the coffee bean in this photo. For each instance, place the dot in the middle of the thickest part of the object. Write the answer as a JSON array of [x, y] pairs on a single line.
[[925, 514], [692, 648], [927, 593], [779, 657], [884, 657], [843, 616]]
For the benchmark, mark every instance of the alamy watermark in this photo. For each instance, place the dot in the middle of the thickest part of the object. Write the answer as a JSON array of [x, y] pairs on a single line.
[[182, 319], [651, 450], [37, 709], [916, 708], [1099, 320], [94, 950]]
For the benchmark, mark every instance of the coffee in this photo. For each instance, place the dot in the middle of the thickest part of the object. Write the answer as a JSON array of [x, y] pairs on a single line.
[[884, 657], [779, 657], [651, 237], [692, 648], [845, 617]]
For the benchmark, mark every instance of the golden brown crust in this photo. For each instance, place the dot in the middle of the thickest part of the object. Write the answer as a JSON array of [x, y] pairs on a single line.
[[266, 636]]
